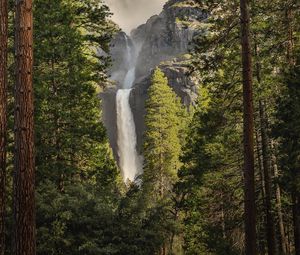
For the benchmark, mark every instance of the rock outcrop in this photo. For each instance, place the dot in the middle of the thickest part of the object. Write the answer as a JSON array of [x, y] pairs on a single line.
[[167, 35], [183, 83]]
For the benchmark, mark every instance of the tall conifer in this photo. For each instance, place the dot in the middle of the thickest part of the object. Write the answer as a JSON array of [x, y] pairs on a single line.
[[24, 162], [3, 114]]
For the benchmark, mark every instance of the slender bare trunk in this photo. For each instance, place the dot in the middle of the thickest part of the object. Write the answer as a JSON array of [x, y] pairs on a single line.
[[290, 30], [261, 238], [295, 196], [260, 165], [265, 144], [296, 219], [283, 238], [289, 237], [3, 116], [24, 177], [223, 224], [250, 217], [271, 238]]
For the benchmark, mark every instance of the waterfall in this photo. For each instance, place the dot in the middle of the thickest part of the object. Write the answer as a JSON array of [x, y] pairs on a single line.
[[129, 160], [129, 78], [128, 51]]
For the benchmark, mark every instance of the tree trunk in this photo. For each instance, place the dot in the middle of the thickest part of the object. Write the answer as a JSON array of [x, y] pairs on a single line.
[[290, 36], [3, 116], [271, 238], [283, 238], [261, 238], [288, 231], [250, 217], [296, 218], [24, 163], [265, 145], [295, 196]]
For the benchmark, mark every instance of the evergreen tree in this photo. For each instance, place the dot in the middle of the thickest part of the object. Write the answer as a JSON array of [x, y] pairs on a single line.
[[287, 129], [250, 209], [68, 76], [3, 116], [73, 159], [214, 145], [217, 59], [191, 195], [24, 158], [211, 175], [162, 147], [162, 143]]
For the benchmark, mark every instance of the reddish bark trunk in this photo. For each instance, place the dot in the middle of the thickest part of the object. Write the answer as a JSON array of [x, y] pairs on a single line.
[[250, 217], [24, 179]]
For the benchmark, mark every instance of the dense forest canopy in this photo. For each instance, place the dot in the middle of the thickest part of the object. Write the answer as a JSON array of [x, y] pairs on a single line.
[[180, 137]]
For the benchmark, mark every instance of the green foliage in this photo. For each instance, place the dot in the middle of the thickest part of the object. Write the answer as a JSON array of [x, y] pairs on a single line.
[[139, 229], [210, 178], [77, 179], [80, 207], [161, 140], [213, 215], [287, 129], [191, 190], [165, 133], [213, 155], [90, 219], [67, 73], [73, 222]]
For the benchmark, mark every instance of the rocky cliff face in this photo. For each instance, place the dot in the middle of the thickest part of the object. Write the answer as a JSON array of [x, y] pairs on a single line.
[[120, 58], [184, 85], [167, 35], [163, 41]]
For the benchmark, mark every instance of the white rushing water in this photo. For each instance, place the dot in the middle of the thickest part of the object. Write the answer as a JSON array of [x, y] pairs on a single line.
[[129, 79], [129, 160]]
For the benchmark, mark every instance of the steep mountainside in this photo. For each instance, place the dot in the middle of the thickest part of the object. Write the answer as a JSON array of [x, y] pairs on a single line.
[[166, 35], [164, 41]]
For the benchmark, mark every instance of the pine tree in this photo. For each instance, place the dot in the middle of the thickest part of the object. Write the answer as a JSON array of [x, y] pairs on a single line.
[[24, 179], [216, 58], [287, 129], [250, 211], [214, 146], [210, 178], [162, 147], [3, 115], [68, 76], [162, 143], [73, 160]]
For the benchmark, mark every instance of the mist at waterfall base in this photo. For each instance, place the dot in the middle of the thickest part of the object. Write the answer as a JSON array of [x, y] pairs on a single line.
[[130, 161], [129, 14]]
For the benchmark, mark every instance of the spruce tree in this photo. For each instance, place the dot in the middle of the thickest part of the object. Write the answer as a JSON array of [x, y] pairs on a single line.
[[69, 75], [287, 129], [73, 159], [210, 178], [164, 121], [162, 143], [217, 58]]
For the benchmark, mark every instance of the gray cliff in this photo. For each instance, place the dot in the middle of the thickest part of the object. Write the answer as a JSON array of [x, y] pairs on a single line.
[[163, 41]]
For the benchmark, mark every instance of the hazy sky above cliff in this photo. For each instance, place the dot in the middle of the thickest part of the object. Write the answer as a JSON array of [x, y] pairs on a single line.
[[129, 14]]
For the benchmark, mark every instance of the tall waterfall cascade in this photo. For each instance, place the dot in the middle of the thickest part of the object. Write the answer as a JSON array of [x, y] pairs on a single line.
[[130, 161]]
